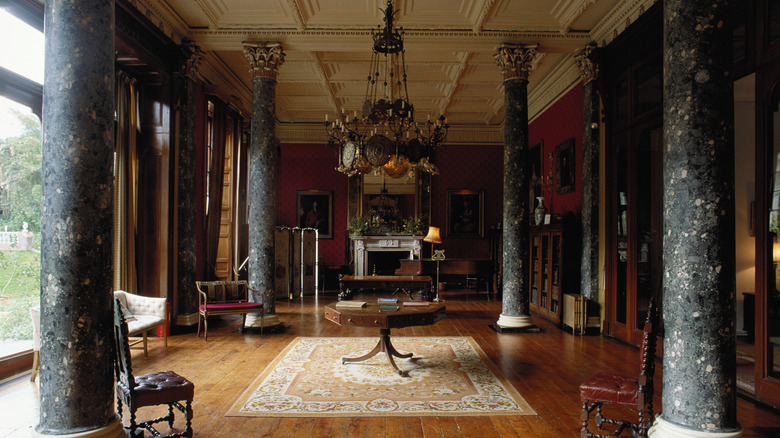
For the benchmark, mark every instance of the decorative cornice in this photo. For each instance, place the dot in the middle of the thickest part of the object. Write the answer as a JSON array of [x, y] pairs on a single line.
[[556, 84], [264, 59], [618, 19], [517, 61], [487, 6], [566, 11], [165, 18], [296, 13]]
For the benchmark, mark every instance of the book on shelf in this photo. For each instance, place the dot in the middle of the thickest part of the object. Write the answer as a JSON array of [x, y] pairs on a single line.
[[416, 304], [388, 308], [350, 304], [387, 300]]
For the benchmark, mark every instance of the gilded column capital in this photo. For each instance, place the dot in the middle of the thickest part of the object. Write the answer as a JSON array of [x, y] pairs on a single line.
[[589, 69], [192, 58], [264, 59], [517, 60]]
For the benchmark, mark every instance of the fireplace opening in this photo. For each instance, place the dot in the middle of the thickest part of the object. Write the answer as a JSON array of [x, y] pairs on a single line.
[[384, 262]]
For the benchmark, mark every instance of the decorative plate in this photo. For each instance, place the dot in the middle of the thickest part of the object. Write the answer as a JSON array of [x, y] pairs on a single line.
[[378, 150], [348, 153]]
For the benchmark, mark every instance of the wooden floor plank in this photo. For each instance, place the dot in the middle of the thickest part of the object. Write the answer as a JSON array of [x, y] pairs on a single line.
[[546, 368]]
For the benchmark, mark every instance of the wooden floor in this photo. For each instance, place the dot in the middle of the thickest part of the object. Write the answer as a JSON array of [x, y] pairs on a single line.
[[546, 369]]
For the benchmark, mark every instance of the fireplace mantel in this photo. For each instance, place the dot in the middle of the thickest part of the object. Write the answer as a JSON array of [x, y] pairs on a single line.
[[401, 243]]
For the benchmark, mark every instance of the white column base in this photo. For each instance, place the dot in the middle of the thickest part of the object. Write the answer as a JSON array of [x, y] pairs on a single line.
[[268, 321], [665, 429], [113, 430], [514, 321]]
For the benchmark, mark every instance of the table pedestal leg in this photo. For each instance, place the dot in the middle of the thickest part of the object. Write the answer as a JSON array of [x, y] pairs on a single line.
[[384, 345]]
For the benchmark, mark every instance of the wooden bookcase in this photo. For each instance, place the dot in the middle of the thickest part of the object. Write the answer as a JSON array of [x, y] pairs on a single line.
[[546, 281]]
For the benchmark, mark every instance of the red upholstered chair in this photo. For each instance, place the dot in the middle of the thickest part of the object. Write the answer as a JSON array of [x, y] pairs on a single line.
[[151, 389], [612, 388], [225, 298]]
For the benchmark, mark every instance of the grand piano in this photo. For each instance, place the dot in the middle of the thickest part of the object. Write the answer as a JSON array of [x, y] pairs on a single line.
[[472, 273]]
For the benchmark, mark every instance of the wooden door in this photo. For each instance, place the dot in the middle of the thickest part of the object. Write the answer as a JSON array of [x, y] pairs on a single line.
[[767, 228]]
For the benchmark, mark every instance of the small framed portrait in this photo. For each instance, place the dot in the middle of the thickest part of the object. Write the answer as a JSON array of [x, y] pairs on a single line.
[[465, 213], [564, 167], [315, 210]]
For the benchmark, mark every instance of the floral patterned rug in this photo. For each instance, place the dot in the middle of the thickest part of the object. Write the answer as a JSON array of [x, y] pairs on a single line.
[[447, 376]]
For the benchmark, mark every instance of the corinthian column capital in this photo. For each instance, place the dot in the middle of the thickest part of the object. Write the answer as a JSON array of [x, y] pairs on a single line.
[[192, 58], [517, 60], [264, 59], [589, 69]]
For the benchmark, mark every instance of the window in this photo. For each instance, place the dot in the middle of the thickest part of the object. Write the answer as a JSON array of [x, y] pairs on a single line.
[[20, 189]]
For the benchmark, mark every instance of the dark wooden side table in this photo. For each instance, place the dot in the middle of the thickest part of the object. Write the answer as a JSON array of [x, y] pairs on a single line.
[[371, 316]]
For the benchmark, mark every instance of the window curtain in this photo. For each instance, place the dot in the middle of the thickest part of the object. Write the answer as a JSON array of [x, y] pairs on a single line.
[[216, 173], [125, 184]]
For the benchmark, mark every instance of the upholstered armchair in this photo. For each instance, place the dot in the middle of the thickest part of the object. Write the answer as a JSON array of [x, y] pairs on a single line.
[[143, 314]]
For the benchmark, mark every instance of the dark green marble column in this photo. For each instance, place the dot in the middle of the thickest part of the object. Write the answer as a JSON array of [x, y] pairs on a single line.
[[76, 368], [264, 62], [699, 369], [516, 61], [589, 282], [186, 262]]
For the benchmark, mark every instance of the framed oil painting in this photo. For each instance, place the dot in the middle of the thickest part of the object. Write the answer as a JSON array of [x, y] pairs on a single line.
[[315, 210], [465, 213], [564, 167]]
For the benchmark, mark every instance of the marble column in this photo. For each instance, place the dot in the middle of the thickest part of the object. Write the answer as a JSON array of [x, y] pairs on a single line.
[[589, 282], [186, 262], [516, 62], [76, 368], [699, 369], [264, 62]]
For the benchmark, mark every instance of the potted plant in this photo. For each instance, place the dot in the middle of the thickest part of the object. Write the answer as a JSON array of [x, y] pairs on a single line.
[[413, 226], [358, 226]]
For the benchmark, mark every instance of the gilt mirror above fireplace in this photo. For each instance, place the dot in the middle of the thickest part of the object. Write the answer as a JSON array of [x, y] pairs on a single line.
[[387, 201]]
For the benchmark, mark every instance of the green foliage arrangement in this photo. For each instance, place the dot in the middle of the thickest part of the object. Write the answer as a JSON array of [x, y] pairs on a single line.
[[359, 225], [414, 226]]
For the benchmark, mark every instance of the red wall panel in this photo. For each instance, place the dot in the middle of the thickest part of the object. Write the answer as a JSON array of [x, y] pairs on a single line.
[[562, 121], [312, 167]]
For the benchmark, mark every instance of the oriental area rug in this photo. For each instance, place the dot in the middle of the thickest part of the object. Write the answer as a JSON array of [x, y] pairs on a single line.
[[447, 376]]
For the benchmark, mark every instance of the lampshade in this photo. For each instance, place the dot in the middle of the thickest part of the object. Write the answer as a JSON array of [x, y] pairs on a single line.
[[433, 235], [775, 252]]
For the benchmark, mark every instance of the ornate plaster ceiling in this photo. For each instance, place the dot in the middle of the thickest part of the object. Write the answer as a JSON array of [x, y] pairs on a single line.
[[449, 52]]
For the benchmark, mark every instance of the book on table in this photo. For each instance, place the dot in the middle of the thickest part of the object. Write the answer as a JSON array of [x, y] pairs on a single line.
[[386, 300], [349, 304], [388, 308], [416, 304]]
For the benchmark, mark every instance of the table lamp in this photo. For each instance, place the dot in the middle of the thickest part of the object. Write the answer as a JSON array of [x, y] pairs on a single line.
[[433, 237]]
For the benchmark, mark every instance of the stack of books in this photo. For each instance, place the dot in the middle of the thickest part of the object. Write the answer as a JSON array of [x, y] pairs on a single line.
[[387, 304], [349, 304]]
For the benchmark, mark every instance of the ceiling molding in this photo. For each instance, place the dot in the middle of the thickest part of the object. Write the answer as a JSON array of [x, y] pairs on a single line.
[[165, 18], [484, 12], [295, 11], [566, 11], [553, 86], [618, 19]]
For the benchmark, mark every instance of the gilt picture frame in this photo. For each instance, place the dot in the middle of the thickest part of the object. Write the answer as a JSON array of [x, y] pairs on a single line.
[[315, 210], [564, 167], [465, 213]]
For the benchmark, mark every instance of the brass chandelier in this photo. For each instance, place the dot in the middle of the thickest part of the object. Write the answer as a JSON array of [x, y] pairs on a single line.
[[385, 138]]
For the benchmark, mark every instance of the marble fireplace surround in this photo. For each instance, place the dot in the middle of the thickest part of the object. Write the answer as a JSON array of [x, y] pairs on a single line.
[[412, 245]]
